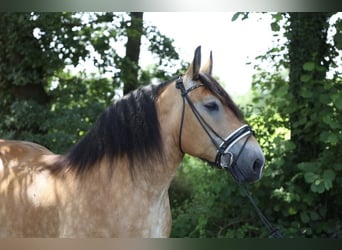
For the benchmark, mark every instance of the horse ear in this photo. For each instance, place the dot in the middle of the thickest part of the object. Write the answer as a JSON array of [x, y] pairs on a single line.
[[208, 67], [194, 69]]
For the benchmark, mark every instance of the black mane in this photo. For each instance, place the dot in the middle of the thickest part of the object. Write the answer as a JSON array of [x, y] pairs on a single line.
[[127, 128]]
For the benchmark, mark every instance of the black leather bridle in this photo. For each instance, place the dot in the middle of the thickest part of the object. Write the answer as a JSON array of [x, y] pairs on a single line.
[[224, 157]]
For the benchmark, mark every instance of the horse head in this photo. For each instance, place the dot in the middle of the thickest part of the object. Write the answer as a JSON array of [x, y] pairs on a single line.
[[210, 125]]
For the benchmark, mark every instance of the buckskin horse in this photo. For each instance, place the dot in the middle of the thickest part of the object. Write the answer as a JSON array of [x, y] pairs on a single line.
[[114, 182]]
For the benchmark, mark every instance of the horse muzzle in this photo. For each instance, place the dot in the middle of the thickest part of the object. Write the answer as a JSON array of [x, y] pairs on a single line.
[[242, 157]]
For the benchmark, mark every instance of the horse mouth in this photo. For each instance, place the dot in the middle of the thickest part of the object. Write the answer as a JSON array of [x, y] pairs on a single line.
[[243, 173]]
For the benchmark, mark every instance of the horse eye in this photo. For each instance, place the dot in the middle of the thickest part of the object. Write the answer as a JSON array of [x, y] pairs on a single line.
[[211, 106]]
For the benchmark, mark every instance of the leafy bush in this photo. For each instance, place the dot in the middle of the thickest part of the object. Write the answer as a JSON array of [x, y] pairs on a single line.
[[207, 202]]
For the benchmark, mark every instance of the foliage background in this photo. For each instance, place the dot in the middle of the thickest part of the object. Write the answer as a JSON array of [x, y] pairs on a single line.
[[295, 110]]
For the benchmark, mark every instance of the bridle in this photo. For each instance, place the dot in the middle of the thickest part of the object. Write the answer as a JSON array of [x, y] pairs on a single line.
[[224, 157]]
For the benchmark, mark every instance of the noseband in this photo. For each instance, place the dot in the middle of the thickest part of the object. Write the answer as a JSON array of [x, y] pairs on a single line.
[[224, 157]]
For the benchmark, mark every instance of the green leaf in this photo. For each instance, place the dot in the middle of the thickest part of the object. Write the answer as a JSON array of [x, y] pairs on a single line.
[[327, 119], [289, 145], [338, 101], [305, 78], [320, 68], [282, 91], [328, 137], [292, 211], [277, 16], [306, 93], [337, 166], [332, 138], [324, 98], [236, 16], [314, 216], [327, 185], [275, 27], [328, 177], [312, 167], [309, 66], [304, 217], [318, 187], [329, 174], [338, 40], [310, 177]]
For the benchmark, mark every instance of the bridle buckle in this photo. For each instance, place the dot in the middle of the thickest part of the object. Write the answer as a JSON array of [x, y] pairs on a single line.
[[226, 160]]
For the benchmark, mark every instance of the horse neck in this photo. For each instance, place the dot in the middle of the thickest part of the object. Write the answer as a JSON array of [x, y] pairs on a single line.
[[107, 179], [146, 179], [169, 106]]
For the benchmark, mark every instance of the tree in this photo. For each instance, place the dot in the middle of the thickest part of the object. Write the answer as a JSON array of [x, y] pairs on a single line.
[[130, 63], [36, 49], [28, 63], [301, 117], [131, 75], [309, 61]]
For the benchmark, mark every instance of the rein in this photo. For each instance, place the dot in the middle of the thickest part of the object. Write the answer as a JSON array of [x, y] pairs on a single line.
[[224, 158]]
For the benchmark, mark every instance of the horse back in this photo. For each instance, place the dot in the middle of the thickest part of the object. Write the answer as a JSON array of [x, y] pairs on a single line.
[[27, 190]]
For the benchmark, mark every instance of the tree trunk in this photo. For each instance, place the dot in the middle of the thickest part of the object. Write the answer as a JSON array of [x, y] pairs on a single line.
[[130, 65]]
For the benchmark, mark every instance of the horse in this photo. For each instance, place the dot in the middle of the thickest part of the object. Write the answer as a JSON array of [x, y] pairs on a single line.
[[114, 182]]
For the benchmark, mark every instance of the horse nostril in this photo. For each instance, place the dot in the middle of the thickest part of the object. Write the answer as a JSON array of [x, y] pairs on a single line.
[[257, 165]]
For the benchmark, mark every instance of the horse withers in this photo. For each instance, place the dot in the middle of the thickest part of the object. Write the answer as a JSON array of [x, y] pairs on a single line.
[[114, 182]]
